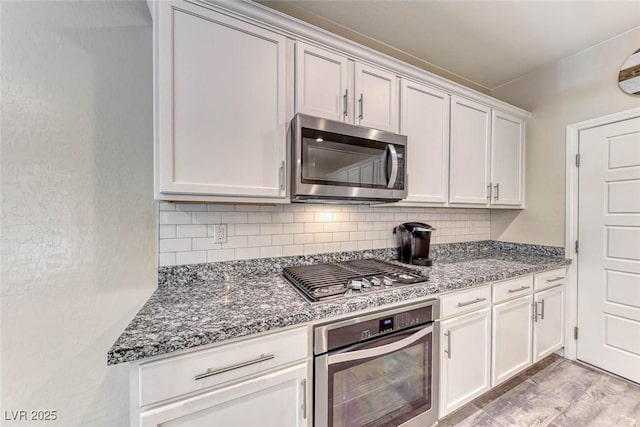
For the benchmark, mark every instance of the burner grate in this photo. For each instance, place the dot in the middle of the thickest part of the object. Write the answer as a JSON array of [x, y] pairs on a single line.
[[320, 282]]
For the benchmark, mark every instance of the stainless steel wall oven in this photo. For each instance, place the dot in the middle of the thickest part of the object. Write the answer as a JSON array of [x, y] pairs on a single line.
[[380, 369], [338, 161]]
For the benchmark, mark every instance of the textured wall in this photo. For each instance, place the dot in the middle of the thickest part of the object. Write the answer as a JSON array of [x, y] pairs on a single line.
[[186, 232], [580, 87], [79, 224]]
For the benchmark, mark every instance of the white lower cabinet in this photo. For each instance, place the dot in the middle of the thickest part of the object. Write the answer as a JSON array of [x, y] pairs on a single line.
[[465, 356], [273, 400], [512, 338], [261, 381], [549, 322]]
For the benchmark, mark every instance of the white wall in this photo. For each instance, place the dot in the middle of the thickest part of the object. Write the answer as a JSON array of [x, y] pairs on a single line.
[[580, 87], [79, 224]]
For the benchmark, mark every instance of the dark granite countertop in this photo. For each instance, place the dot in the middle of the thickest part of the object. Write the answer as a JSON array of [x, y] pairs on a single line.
[[203, 304]]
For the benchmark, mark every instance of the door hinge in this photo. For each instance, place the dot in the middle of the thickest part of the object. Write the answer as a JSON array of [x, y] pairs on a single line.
[[577, 246], [575, 333], [577, 160]]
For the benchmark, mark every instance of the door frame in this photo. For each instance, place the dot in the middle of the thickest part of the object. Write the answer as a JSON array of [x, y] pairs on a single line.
[[571, 216]]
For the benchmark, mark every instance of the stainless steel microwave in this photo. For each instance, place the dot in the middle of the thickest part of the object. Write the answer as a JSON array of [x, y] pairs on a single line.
[[335, 161]]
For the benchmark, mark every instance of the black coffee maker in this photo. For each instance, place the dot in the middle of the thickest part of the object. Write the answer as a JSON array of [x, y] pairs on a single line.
[[413, 240]]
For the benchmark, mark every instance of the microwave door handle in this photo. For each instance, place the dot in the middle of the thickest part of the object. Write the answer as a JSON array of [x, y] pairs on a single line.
[[379, 351], [394, 166]]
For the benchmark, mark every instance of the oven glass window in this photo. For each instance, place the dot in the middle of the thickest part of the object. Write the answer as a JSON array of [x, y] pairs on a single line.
[[384, 390], [327, 159]]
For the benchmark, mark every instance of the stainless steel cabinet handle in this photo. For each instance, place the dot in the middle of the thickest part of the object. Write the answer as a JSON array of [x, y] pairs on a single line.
[[555, 279], [361, 102], [497, 186], [518, 290], [534, 311], [346, 102], [303, 407], [489, 187], [211, 372], [448, 350], [281, 176], [542, 309], [475, 301]]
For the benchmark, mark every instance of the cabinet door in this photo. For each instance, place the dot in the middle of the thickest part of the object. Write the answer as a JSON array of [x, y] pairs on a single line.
[[278, 399], [464, 359], [424, 120], [376, 98], [512, 330], [322, 83], [470, 128], [220, 105], [507, 155], [548, 323]]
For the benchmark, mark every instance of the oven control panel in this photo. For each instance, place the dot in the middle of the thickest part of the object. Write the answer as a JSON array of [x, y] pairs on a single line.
[[361, 329]]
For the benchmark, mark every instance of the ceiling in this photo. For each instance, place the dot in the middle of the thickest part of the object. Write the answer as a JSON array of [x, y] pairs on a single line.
[[488, 43]]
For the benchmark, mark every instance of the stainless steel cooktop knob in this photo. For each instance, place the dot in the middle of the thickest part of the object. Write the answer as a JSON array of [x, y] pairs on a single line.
[[376, 281], [355, 285], [366, 283], [387, 281]]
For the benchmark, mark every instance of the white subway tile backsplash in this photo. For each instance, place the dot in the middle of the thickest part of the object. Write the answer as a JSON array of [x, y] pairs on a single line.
[[219, 255], [167, 231], [167, 259], [192, 230], [173, 217], [254, 241], [271, 229], [234, 217], [194, 257], [247, 229], [175, 245], [282, 239], [247, 253], [186, 230], [205, 244], [259, 217], [206, 218], [234, 242]]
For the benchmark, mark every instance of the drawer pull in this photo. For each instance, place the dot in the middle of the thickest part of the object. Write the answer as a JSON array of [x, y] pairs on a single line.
[[210, 372], [475, 301], [555, 279], [518, 290]]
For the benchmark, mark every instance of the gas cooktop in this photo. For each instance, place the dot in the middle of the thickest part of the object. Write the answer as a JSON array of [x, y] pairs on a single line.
[[320, 282]]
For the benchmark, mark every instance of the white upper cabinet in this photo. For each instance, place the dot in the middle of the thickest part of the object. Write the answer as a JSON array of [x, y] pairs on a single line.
[[376, 99], [507, 158], [323, 86], [221, 124], [470, 141], [424, 119]]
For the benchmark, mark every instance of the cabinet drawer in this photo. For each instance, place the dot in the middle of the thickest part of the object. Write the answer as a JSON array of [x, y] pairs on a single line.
[[175, 376], [512, 288], [465, 301], [548, 279]]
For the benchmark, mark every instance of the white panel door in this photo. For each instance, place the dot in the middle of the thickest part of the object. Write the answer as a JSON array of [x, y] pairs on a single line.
[[376, 98], [424, 119], [278, 399], [609, 258], [507, 159], [221, 105], [512, 338], [548, 323], [470, 130], [322, 83], [465, 343]]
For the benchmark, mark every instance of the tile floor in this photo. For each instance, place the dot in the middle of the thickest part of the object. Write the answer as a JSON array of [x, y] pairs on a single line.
[[556, 393]]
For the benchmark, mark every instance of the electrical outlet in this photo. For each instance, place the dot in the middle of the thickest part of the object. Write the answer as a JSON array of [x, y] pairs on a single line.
[[220, 233]]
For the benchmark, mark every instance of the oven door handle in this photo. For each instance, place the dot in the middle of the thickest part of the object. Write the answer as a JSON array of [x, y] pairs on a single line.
[[379, 351]]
